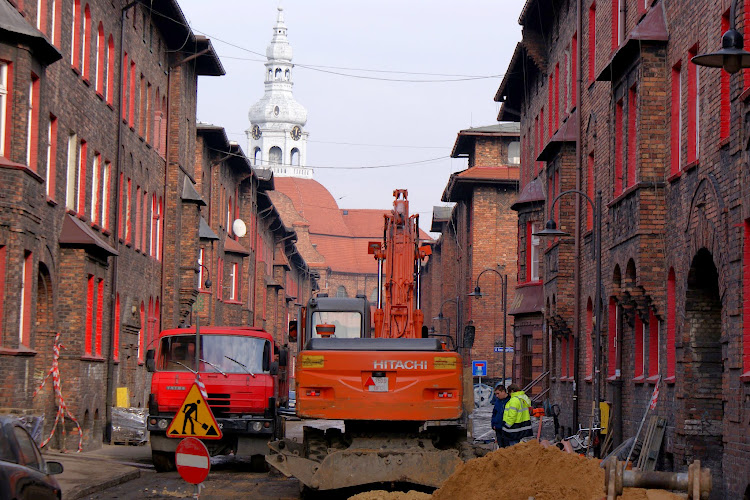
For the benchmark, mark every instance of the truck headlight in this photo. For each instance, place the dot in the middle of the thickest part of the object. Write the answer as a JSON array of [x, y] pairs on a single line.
[[163, 423], [257, 426]]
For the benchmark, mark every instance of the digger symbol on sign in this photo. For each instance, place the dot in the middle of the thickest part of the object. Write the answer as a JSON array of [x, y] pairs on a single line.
[[194, 410]]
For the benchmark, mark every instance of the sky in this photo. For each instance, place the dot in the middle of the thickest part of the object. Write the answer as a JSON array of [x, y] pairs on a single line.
[[386, 84]]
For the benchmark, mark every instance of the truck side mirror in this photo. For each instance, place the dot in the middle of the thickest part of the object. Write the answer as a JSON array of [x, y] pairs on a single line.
[[283, 356], [273, 369], [266, 356], [293, 331], [150, 360], [469, 333]]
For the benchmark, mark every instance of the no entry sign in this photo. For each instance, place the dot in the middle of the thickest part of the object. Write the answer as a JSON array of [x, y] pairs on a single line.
[[192, 460]]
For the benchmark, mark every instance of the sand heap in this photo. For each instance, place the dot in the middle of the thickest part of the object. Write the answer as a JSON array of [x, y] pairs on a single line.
[[522, 471]]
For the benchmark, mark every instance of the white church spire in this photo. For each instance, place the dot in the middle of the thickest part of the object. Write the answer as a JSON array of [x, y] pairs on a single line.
[[276, 138]]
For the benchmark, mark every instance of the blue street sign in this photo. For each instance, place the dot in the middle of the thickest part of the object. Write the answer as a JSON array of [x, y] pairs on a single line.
[[479, 368], [501, 349]]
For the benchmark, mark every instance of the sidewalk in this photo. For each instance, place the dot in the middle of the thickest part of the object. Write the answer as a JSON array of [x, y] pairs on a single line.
[[93, 471]]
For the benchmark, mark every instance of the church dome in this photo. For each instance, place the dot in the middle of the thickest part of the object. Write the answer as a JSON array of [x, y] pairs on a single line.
[[278, 108]]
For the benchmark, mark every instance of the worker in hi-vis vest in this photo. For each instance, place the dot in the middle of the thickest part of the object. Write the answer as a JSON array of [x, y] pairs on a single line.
[[516, 418]]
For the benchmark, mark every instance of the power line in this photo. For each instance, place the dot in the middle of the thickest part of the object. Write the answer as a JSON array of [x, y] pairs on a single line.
[[359, 143], [325, 69]]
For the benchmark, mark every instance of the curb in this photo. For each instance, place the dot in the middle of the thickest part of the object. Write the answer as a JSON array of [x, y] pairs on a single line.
[[80, 492]]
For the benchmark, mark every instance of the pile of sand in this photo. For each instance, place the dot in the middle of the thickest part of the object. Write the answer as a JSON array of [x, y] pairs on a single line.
[[522, 471]]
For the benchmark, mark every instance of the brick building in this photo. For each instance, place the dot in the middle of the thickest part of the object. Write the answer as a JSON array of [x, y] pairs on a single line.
[[478, 233], [608, 102], [102, 203]]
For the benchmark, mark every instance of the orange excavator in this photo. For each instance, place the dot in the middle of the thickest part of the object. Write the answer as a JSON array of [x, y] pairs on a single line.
[[399, 392]]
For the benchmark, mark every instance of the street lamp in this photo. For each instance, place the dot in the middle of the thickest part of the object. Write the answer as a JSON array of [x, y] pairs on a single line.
[[504, 289], [441, 317], [551, 230], [732, 57]]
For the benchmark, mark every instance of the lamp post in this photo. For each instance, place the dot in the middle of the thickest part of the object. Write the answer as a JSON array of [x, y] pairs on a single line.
[[504, 290], [440, 317], [551, 230], [732, 57]]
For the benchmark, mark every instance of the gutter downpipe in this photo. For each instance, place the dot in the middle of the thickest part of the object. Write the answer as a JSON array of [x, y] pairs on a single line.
[[577, 308], [116, 239]]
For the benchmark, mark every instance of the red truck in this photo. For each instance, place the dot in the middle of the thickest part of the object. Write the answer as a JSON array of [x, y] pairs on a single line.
[[244, 372]]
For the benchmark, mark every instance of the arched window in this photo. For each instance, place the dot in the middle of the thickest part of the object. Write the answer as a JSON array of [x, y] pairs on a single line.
[[277, 74], [295, 157], [100, 67], [514, 153], [341, 291], [86, 43], [274, 156], [108, 83], [270, 74], [257, 156], [286, 74], [75, 35]]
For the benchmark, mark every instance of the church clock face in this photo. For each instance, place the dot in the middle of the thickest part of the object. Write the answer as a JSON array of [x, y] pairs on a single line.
[[255, 132], [296, 133]]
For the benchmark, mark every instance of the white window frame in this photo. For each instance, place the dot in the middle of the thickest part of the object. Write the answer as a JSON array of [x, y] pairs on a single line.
[[71, 186], [200, 268], [233, 281], [48, 158], [104, 214], [95, 193], [534, 247], [3, 104], [29, 124]]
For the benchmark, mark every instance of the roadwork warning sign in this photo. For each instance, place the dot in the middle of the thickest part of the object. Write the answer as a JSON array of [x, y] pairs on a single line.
[[194, 419]]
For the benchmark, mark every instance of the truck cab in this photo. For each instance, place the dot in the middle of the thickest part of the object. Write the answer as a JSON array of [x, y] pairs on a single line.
[[244, 373]]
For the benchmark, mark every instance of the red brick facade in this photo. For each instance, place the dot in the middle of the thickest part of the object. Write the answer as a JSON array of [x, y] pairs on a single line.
[[662, 141], [100, 220]]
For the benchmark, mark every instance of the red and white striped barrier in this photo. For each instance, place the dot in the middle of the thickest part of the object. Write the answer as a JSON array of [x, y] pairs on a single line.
[[62, 408]]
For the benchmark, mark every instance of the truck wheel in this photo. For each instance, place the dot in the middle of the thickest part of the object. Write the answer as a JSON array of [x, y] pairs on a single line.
[[163, 461]]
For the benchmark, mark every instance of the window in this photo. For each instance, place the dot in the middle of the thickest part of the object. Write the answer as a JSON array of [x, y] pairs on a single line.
[[564, 355], [32, 132], [159, 228], [96, 196], [41, 16], [29, 455], [154, 224], [676, 121], [75, 35], [671, 311], [156, 125], [746, 301], [295, 157], [72, 172], [110, 73], [234, 280], [81, 206], [693, 108], [137, 217], [220, 279], [653, 345], [125, 87], [556, 110], [4, 106], [116, 329], [589, 346], [51, 158], [532, 254], [514, 153], [274, 155], [537, 136], [551, 102], [592, 42], [128, 212], [120, 198], [617, 24], [88, 345], [141, 104], [201, 281], [613, 368], [2, 290], [131, 90], [590, 191], [86, 42], [632, 137], [640, 342], [106, 189], [572, 75], [147, 115], [100, 67], [24, 325], [341, 291], [99, 317], [144, 221], [142, 335], [618, 148], [724, 108]]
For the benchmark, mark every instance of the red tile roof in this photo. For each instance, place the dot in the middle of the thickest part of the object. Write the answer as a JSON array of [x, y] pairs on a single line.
[[315, 204]]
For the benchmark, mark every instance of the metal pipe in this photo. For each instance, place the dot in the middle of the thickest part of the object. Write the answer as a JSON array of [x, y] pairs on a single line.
[[505, 321], [380, 283]]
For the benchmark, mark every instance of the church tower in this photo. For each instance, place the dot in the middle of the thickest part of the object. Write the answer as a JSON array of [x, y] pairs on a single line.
[[276, 137]]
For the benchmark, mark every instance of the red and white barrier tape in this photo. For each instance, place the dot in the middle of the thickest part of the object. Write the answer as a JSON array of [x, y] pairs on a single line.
[[62, 408]]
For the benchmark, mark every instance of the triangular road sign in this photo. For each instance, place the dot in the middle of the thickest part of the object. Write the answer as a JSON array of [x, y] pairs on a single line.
[[194, 419]]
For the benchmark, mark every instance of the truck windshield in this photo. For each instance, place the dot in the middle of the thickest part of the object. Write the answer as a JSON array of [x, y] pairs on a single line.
[[348, 323], [177, 353]]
